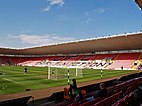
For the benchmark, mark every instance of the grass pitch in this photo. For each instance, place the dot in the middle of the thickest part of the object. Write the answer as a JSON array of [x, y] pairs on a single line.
[[13, 78]]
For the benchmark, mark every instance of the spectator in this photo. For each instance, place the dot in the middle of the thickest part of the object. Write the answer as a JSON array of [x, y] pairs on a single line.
[[75, 93], [78, 95], [102, 92], [72, 89]]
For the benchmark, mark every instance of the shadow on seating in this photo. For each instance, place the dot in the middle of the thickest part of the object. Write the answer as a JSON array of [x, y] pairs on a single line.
[[17, 102]]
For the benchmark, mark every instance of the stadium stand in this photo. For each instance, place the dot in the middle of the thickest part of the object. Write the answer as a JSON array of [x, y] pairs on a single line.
[[128, 61], [99, 53], [4, 60], [23, 101], [89, 57], [80, 57], [124, 60], [121, 94]]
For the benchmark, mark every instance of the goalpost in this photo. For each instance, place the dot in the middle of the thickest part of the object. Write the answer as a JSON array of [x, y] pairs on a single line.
[[78, 72], [58, 73]]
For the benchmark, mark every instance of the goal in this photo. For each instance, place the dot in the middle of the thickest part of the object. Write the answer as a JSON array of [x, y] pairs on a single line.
[[58, 73]]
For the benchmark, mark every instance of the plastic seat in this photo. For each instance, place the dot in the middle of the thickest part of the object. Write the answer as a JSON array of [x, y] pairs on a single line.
[[66, 94]]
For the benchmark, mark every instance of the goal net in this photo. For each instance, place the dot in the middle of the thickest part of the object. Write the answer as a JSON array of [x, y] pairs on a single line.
[[56, 73]]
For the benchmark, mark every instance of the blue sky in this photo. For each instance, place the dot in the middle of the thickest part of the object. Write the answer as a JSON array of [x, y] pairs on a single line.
[[26, 23]]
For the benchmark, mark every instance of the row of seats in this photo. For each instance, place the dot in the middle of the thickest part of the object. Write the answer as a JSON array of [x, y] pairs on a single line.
[[109, 100], [120, 95], [126, 100], [108, 61]]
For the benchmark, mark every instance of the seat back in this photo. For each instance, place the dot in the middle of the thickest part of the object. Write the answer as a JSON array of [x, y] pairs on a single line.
[[66, 94]]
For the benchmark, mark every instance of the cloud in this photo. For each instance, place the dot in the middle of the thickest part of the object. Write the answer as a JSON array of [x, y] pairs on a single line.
[[86, 13], [40, 40], [51, 3], [56, 2], [90, 15], [46, 9], [100, 10], [87, 20], [64, 18]]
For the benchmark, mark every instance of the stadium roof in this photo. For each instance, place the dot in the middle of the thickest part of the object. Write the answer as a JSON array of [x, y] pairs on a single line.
[[139, 2], [128, 41]]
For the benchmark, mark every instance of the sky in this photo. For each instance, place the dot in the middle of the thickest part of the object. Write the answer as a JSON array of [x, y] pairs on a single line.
[[28, 23]]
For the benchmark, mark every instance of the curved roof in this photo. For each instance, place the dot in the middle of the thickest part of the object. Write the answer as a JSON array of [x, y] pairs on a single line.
[[139, 2], [129, 41]]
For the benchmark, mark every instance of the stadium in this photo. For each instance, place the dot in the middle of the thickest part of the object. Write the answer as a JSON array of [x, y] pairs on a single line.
[[40, 76], [116, 55]]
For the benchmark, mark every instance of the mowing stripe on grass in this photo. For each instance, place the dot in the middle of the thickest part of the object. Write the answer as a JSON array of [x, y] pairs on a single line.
[[10, 80], [17, 81]]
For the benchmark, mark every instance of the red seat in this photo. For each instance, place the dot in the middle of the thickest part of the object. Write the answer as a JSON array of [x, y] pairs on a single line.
[[101, 103], [83, 92], [74, 104], [66, 94]]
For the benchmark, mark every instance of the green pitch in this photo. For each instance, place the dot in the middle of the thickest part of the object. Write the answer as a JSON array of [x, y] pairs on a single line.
[[13, 78]]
